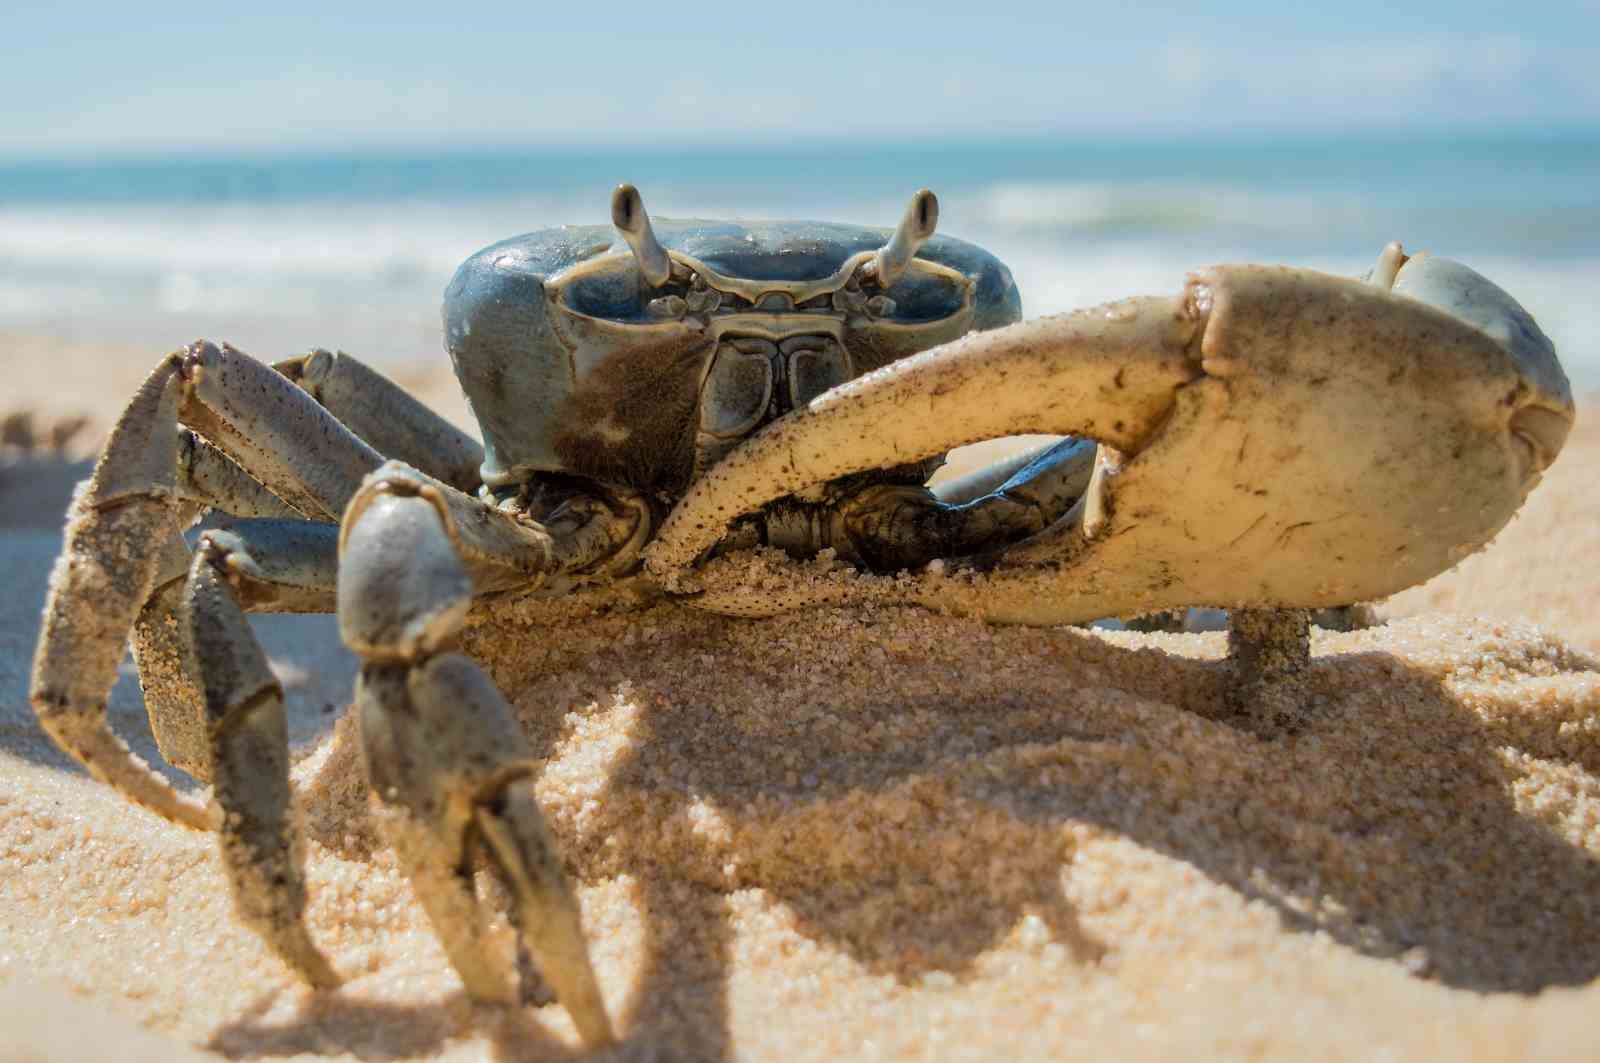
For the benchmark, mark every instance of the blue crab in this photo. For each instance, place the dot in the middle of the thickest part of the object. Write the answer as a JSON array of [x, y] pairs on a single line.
[[655, 399]]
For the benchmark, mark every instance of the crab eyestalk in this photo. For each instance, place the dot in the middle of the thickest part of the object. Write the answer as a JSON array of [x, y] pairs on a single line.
[[629, 216], [1390, 260], [916, 226]]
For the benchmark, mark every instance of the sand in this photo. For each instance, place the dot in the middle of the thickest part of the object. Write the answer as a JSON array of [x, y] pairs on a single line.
[[881, 833]]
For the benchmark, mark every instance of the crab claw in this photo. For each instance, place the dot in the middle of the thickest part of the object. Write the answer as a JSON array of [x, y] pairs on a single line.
[[1109, 373], [1273, 436], [1344, 442]]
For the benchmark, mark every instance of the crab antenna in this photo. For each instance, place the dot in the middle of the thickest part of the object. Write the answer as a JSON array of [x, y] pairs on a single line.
[[921, 217], [628, 215]]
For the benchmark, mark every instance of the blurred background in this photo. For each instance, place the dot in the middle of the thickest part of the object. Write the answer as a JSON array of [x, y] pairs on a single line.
[[310, 175]]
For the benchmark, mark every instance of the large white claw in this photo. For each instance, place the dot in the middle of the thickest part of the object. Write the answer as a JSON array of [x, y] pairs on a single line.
[[1110, 373], [1344, 443], [1279, 437]]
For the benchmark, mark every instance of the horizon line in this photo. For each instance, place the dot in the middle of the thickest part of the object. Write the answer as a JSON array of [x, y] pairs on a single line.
[[782, 143]]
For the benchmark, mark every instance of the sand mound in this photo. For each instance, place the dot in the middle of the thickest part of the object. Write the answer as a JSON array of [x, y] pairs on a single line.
[[878, 832], [893, 829]]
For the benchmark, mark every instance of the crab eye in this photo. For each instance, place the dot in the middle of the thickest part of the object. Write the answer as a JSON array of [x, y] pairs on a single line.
[[923, 295], [609, 291]]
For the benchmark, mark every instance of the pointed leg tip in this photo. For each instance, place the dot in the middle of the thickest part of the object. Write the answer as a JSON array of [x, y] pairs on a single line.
[[88, 738], [576, 989], [1270, 651], [594, 1026], [320, 975], [301, 954], [546, 911]]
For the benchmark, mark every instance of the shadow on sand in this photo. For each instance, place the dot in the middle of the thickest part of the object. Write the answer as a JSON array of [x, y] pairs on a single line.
[[914, 833]]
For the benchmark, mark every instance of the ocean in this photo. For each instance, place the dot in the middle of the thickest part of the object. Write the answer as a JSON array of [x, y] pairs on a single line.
[[352, 250]]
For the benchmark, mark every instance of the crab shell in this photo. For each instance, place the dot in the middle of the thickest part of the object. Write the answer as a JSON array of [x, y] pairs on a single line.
[[569, 368], [1272, 436]]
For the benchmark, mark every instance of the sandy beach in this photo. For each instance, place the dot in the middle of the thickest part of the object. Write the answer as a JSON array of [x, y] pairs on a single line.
[[877, 833]]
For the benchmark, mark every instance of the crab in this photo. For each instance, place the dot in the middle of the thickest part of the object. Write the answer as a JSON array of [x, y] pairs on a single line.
[[653, 401]]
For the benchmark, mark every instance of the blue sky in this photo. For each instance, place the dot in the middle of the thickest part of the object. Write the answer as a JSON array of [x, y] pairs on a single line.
[[135, 78]]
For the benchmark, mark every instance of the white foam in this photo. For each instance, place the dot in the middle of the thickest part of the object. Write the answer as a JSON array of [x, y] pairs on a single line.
[[368, 276]]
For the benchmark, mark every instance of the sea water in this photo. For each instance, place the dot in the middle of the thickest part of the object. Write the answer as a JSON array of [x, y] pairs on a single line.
[[279, 254]]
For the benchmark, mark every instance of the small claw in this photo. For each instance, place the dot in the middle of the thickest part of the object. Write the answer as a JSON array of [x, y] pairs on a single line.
[[900, 526], [1055, 479]]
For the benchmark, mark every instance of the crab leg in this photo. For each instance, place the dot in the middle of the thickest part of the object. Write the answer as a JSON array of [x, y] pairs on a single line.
[[450, 764], [893, 526], [1270, 650], [122, 522], [276, 431], [108, 565], [249, 758], [273, 566], [209, 478], [205, 478], [387, 416], [545, 910], [213, 704], [447, 762]]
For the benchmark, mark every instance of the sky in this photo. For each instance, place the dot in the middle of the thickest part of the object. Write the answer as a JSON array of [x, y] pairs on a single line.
[[95, 77]]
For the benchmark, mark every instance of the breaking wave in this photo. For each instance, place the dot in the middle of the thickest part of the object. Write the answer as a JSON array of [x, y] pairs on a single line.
[[364, 270]]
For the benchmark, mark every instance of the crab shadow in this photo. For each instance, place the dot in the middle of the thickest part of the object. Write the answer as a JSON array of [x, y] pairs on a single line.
[[328, 1024], [916, 830]]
